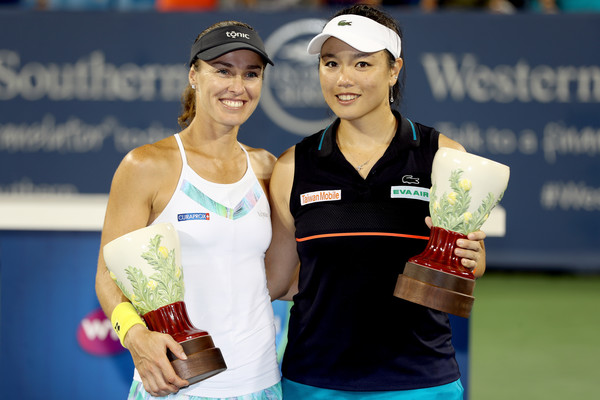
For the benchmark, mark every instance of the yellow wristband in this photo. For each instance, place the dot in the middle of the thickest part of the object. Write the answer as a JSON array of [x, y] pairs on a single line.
[[124, 317]]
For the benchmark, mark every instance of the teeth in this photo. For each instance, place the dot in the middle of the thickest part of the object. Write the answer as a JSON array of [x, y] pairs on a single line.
[[233, 103], [347, 97]]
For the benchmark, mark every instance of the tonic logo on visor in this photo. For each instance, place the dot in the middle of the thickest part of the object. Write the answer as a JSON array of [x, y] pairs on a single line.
[[234, 34]]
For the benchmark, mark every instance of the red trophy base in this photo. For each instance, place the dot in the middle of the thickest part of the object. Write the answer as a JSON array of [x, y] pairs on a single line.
[[203, 358], [436, 279]]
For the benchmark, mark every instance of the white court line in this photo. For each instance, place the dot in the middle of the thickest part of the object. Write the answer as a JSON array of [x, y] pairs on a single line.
[[81, 212]]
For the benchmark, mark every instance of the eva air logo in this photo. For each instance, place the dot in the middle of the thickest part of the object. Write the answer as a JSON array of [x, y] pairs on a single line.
[[410, 192], [344, 23]]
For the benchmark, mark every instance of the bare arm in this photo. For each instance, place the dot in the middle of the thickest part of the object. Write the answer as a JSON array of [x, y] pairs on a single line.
[[471, 250], [133, 192], [281, 260], [128, 209]]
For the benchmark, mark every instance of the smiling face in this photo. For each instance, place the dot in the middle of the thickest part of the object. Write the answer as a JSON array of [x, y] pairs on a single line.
[[228, 88], [354, 83]]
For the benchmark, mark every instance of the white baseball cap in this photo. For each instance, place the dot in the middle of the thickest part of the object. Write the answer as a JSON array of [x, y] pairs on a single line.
[[362, 33]]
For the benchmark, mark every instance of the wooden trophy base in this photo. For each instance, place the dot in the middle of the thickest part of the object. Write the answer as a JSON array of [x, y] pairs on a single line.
[[203, 360], [436, 289]]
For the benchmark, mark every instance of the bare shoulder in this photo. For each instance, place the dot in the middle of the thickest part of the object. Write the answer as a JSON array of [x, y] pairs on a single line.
[[142, 185], [151, 159], [287, 155], [262, 161], [283, 172], [148, 169], [445, 141], [286, 160]]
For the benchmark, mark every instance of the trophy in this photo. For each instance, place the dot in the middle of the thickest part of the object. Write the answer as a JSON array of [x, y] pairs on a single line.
[[146, 266], [465, 188]]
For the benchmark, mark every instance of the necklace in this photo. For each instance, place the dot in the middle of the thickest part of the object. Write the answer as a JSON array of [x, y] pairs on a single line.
[[376, 153], [362, 165], [378, 150]]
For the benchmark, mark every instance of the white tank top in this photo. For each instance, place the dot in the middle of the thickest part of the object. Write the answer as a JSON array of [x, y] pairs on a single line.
[[224, 231]]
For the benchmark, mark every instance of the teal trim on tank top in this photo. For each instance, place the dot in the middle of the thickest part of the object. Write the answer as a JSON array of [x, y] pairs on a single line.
[[409, 121], [413, 129], [323, 136], [242, 208]]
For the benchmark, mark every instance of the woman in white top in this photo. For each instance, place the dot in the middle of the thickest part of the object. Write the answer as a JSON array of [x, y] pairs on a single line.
[[204, 170]]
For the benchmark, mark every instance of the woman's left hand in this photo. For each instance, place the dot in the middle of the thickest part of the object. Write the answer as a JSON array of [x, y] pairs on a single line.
[[471, 251]]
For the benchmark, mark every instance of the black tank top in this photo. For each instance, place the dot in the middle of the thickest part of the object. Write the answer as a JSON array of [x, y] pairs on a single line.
[[347, 331]]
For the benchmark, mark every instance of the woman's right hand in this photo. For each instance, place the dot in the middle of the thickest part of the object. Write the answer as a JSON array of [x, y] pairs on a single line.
[[149, 353]]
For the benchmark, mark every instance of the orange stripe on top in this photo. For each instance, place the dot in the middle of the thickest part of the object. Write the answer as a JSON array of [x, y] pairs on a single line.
[[326, 235]]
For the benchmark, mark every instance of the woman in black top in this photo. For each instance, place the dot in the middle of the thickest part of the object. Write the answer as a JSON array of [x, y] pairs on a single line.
[[337, 212]]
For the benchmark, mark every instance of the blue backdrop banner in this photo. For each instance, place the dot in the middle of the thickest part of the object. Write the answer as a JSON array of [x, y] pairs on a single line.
[[79, 90]]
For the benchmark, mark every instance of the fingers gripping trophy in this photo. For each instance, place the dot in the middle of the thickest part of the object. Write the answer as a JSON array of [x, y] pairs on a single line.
[[146, 265], [465, 189]]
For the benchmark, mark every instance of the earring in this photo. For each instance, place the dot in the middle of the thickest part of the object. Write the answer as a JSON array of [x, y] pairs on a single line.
[[194, 87], [391, 98]]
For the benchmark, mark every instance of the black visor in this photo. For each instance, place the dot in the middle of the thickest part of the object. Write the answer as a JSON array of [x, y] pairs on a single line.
[[225, 39]]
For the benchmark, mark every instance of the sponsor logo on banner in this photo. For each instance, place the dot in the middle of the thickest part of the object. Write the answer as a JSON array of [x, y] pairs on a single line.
[[291, 95], [409, 192], [91, 77], [96, 335], [321, 195], [461, 77], [193, 216]]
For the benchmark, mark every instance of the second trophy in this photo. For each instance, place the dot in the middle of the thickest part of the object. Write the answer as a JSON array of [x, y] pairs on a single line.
[[146, 265], [465, 189]]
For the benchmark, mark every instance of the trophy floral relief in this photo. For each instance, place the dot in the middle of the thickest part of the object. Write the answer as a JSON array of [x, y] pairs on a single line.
[[451, 210], [164, 287]]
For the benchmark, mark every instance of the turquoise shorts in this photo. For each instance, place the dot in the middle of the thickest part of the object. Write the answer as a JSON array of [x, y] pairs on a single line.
[[297, 391], [137, 392]]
